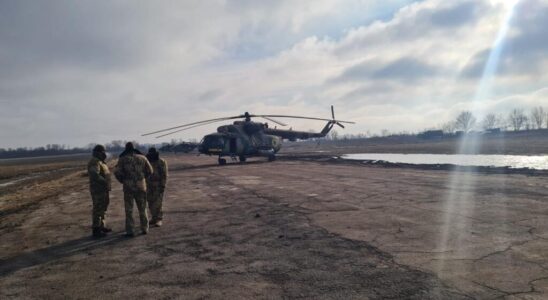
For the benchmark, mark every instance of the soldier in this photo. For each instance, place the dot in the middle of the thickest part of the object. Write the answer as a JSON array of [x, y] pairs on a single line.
[[99, 187], [132, 170], [156, 185]]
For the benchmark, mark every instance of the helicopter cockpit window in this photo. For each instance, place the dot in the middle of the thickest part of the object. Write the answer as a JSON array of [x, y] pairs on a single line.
[[214, 141]]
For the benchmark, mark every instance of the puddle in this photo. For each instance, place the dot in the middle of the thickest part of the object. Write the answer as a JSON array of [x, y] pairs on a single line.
[[478, 160]]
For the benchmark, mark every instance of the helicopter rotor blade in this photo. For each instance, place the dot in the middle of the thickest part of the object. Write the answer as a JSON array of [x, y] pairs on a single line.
[[302, 117], [194, 123], [183, 129], [247, 117], [275, 121]]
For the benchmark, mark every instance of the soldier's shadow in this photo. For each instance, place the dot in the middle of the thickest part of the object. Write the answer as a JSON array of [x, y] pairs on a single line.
[[55, 252]]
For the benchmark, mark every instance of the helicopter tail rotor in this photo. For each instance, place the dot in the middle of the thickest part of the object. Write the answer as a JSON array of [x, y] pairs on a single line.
[[335, 121]]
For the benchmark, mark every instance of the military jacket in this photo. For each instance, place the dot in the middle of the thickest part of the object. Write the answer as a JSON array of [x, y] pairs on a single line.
[[99, 175], [159, 174], [132, 170]]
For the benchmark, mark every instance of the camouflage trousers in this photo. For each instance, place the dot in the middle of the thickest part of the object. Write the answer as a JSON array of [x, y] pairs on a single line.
[[155, 196], [140, 200], [100, 200]]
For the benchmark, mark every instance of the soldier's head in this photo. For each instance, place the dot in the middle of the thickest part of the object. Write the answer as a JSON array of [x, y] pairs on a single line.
[[100, 152], [129, 146], [153, 154]]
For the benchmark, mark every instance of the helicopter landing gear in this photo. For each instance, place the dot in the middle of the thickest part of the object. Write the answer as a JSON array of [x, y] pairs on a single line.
[[222, 161], [271, 157], [242, 158]]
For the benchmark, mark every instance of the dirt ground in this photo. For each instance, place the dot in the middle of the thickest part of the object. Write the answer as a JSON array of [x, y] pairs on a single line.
[[290, 229]]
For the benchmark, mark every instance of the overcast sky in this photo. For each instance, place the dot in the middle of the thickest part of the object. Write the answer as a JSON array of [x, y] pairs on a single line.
[[76, 72]]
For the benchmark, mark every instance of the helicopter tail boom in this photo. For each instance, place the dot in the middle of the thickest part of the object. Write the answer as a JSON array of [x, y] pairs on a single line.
[[327, 128]]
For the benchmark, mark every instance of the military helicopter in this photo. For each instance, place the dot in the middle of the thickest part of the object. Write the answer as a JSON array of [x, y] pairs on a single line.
[[246, 138], [184, 147]]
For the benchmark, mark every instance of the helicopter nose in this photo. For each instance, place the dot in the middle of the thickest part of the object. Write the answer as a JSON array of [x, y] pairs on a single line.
[[202, 148]]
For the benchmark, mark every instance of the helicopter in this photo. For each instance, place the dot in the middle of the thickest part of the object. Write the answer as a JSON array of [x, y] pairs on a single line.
[[245, 138], [184, 147]]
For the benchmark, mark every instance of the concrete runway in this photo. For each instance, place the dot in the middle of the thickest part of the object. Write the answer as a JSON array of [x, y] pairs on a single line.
[[291, 229]]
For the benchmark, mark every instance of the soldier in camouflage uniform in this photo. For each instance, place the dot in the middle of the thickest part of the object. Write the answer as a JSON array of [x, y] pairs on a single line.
[[132, 171], [99, 186], [156, 185]]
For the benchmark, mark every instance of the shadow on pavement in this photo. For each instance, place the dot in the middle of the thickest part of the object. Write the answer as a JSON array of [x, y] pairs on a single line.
[[45, 255]]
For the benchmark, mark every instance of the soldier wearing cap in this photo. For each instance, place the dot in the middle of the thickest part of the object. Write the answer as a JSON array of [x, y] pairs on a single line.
[[156, 185], [132, 171], [99, 187]]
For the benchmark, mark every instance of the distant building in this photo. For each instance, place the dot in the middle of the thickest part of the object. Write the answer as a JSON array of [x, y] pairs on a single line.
[[493, 131]]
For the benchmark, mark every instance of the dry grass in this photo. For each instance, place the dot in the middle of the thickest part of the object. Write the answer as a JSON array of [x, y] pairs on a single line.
[[47, 177], [35, 192], [10, 168], [7, 172]]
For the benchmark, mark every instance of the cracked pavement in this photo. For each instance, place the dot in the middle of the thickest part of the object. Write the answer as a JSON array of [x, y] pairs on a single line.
[[291, 229]]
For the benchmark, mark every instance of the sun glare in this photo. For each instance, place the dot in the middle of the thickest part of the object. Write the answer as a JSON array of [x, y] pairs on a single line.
[[459, 207]]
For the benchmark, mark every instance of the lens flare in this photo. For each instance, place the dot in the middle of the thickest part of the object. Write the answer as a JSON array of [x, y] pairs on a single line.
[[456, 240]]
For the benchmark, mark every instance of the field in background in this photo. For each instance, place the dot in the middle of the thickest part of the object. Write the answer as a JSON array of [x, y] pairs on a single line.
[[534, 142]]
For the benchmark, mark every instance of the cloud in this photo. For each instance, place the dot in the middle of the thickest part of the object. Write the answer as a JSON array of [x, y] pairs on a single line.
[[77, 72], [405, 68], [523, 52], [465, 13]]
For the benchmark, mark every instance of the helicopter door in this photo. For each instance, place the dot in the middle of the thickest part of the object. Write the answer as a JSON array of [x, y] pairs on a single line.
[[233, 148]]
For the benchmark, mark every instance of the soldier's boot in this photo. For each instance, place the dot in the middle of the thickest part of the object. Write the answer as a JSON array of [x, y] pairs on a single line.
[[98, 233], [158, 223], [106, 229]]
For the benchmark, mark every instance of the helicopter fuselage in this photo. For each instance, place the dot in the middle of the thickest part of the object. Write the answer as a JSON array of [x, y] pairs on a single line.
[[247, 138], [241, 139]]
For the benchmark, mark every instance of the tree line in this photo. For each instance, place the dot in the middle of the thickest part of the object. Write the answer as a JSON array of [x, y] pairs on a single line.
[[516, 120], [114, 147], [465, 122]]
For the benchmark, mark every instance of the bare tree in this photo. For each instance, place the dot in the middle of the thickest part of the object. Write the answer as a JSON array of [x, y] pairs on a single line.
[[448, 127], [502, 123], [517, 119], [537, 116], [333, 135], [490, 121], [465, 121]]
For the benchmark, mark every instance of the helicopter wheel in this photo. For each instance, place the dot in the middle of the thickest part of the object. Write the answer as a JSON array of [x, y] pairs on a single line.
[[222, 161], [242, 158], [272, 157]]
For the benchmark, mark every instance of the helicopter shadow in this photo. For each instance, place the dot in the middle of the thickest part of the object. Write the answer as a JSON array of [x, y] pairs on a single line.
[[55, 252]]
